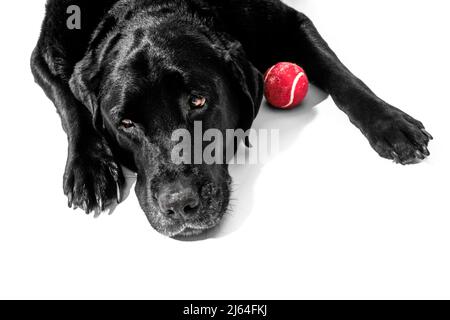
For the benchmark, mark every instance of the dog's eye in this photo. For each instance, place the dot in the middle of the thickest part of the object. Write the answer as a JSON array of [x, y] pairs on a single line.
[[197, 102], [126, 123]]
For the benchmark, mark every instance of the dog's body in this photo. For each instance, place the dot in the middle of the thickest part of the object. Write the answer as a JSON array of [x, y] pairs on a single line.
[[139, 69]]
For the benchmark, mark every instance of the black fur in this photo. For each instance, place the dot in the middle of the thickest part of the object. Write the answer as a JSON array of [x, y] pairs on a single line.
[[141, 59]]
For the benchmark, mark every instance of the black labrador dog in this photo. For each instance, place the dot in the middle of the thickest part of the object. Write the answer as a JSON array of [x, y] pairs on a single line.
[[137, 70]]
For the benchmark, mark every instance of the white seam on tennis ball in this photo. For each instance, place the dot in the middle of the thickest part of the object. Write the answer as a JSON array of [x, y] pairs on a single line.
[[268, 73], [294, 85]]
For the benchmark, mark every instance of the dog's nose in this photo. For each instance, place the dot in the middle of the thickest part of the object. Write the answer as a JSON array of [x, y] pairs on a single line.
[[178, 201]]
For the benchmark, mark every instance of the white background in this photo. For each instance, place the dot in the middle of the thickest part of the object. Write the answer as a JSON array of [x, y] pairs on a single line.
[[325, 218]]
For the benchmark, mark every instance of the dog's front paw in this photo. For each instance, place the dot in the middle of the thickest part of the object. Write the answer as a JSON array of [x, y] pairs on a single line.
[[397, 136], [92, 180]]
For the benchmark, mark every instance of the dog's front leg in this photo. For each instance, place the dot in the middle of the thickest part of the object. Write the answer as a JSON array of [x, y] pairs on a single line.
[[391, 132], [92, 177]]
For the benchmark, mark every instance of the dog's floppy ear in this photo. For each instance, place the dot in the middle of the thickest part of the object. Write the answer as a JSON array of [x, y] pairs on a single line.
[[249, 82], [85, 85]]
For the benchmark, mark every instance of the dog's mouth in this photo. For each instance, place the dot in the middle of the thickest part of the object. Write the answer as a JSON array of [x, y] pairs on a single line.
[[193, 231], [186, 229], [211, 212], [187, 205]]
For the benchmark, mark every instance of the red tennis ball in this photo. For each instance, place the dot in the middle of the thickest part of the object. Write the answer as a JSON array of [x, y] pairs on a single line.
[[285, 85]]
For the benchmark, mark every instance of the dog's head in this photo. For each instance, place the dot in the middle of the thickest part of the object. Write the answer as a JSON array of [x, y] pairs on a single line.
[[143, 84]]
